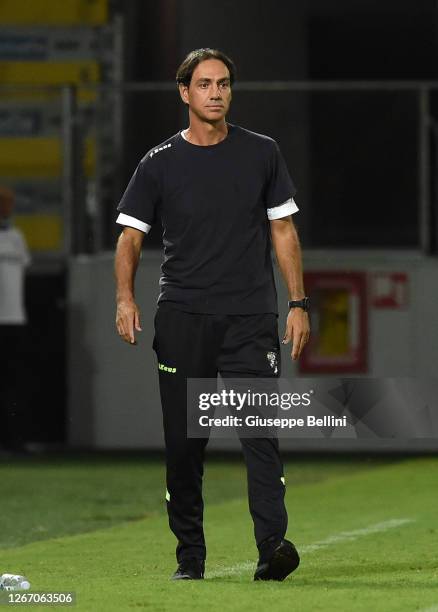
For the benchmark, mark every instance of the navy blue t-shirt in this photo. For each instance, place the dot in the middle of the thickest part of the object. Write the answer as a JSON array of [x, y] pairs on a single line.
[[214, 203]]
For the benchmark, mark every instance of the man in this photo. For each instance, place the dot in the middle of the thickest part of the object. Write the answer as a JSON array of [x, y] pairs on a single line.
[[14, 258], [218, 189]]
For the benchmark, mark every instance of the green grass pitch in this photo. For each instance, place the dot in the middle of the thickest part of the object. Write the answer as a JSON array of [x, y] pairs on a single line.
[[366, 528]]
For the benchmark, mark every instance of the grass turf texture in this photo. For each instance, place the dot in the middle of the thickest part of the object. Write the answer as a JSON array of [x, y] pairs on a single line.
[[98, 526]]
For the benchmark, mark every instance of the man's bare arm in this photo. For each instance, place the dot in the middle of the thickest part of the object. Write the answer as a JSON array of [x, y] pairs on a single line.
[[288, 252], [127, 256]]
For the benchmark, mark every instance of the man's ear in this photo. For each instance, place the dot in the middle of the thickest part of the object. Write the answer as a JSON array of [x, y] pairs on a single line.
[[184, 93]]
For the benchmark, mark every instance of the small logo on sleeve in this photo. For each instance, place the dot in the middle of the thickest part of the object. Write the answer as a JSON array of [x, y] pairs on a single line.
[[152, 153]]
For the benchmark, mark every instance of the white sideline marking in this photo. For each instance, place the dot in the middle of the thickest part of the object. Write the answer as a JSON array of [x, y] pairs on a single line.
[[431, 609], [346, 536], [343, 536]]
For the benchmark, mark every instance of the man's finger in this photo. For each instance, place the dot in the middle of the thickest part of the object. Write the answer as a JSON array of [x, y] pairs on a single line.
[[302, 344], [130, 330], [296, 346], [303, 341], [137, 321], [287, 335], [120, 329], [130, 338]]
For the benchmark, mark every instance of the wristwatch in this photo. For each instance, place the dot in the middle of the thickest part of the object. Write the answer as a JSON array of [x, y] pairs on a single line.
[[304, 304]]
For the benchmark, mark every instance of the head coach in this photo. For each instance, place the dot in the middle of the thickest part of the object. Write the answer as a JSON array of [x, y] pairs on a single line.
[[223, 195]]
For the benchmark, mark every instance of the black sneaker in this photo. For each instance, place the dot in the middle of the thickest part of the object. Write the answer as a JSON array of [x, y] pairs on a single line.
[[190, 569], [284, 561]]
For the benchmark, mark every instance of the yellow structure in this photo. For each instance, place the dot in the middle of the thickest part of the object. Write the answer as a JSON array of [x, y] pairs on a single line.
[[334, 331], [48, 73], [39, 157], [53, 12], [41, 74], [43, 232]]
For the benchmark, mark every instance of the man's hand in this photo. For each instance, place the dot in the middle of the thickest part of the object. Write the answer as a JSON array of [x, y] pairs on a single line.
[[297, 330], [128, 319], [125, 265]]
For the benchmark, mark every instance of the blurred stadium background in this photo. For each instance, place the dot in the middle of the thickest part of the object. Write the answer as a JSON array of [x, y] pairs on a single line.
[[349, 91]]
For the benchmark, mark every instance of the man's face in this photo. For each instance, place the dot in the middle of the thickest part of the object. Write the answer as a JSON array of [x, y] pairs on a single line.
[[209, 92]]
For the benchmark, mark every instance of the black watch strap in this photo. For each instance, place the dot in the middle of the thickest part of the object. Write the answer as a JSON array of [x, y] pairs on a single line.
[[304, 304]]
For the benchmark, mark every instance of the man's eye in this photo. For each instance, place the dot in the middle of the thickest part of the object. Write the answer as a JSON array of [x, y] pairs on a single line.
[[204, 85]]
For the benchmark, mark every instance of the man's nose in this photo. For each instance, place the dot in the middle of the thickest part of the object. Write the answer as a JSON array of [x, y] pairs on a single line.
[[216, 92]]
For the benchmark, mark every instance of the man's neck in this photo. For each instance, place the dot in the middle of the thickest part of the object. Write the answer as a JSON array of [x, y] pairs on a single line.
[[205, 134]]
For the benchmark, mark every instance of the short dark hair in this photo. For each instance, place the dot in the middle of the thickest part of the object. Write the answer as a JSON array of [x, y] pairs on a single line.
[[185, 71]]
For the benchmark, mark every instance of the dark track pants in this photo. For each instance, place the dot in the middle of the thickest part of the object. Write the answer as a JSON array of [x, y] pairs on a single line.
[[200, 346]]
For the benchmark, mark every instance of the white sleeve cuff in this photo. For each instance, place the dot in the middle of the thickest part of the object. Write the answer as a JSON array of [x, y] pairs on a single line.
[[126, 220], [282, 210]]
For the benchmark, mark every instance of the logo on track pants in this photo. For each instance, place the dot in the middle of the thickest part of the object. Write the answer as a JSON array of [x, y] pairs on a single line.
[[166, 368]]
